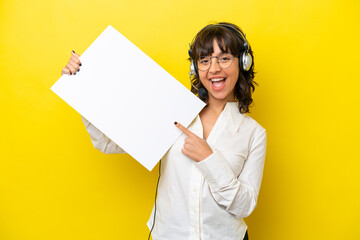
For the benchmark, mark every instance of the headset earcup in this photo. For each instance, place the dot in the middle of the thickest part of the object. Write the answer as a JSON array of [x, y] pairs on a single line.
[[246, 61], [192, 68], [196, 69]]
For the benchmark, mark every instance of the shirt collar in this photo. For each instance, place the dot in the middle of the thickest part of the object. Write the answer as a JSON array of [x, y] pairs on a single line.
[[232, 108]]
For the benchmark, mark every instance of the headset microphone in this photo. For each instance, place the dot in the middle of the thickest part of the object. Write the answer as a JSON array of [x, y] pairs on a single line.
[[201, 91]]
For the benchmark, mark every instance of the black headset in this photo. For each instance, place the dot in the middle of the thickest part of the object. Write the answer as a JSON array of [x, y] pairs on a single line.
[[245, 58]]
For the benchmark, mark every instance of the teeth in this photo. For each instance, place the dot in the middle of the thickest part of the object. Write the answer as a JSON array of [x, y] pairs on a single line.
[[217, 79]]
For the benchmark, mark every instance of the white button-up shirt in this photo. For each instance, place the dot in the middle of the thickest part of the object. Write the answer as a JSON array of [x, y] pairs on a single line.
[[208, 199]]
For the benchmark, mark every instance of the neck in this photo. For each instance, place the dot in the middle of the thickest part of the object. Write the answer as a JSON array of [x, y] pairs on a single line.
[[218, 105]]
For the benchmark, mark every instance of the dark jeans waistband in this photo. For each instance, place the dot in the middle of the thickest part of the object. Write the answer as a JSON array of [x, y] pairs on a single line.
[[246, 236]]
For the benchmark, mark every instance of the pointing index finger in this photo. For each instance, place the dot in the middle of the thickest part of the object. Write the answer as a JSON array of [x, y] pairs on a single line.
[[183, 129]]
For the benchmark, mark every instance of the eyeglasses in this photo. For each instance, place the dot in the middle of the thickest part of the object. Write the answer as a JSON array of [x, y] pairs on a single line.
[[223, 59]]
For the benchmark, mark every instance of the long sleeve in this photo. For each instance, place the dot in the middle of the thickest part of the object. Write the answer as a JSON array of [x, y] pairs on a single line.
[[237, 194], [100, 140]]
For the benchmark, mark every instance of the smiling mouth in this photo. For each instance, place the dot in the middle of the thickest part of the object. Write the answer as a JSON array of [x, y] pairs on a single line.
[[218, 84], [217, 81]]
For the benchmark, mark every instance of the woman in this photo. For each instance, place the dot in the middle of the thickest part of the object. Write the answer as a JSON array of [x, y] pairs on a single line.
[[211, 176]]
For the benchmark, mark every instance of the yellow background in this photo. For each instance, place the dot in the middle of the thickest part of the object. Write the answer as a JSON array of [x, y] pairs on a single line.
[[55, 185]]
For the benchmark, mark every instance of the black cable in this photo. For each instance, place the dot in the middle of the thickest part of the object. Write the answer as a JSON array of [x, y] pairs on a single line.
[[157, 185]]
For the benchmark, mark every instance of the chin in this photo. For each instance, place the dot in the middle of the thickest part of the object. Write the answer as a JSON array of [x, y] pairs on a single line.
[[218, 96]]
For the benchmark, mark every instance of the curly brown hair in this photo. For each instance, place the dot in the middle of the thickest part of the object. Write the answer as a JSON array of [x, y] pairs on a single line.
[[229, 41]]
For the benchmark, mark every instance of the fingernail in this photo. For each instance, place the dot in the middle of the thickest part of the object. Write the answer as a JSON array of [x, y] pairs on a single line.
[[175, 123], [80, 64], [78, 69], [74, 73], [73, 51]]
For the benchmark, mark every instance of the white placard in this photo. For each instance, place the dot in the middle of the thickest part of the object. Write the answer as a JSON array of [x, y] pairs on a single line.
[[129, 97]]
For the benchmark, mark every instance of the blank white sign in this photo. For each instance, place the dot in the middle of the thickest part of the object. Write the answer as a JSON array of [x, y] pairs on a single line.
[[129, 97]]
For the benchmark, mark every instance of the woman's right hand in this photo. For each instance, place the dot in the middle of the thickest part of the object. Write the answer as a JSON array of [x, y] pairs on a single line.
[[73, 65]]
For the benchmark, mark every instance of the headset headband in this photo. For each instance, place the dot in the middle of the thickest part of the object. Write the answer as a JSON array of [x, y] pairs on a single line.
[[223, 25]]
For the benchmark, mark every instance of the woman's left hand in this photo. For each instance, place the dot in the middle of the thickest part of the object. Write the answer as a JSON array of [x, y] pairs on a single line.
[[194, 147]]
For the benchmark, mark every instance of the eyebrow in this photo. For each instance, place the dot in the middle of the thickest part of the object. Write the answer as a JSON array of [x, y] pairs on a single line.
[[204, 56]]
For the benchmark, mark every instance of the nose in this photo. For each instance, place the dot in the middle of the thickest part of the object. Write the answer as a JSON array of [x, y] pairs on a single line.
[[214, 66]]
